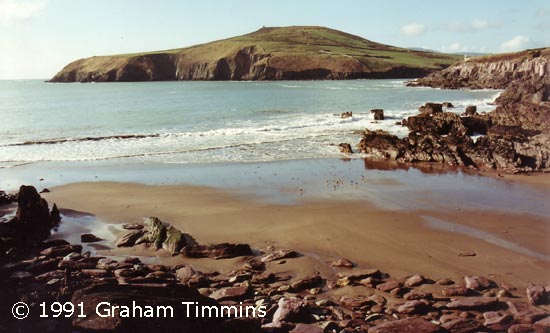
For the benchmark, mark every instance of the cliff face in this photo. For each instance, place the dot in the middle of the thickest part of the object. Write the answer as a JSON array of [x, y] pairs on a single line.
[[491, 72], [153, 67], [287, 53], [524, 76]]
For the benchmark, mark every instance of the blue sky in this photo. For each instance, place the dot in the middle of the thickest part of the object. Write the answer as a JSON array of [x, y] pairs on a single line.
[[39, 37]]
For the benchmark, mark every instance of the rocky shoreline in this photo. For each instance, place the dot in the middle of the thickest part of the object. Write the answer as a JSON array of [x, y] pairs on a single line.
[[354, 299], [514, 138]]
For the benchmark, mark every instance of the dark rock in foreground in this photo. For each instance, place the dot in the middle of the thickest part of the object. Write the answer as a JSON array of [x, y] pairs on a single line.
[[156, 297], [407, 325]]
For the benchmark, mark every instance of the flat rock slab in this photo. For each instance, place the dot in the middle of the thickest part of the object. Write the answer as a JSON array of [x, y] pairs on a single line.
[[231, 293], [543, 326], [454, 291], [462, 325], [305, 328], [470, 303], [279, 254], [407, 325]]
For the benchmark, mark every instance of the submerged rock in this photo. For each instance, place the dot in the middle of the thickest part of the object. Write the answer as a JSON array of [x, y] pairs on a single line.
[[347, 114], [89, 238], [345, 148]]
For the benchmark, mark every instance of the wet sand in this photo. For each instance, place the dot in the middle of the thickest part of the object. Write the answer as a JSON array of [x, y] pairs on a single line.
[[399, 242]]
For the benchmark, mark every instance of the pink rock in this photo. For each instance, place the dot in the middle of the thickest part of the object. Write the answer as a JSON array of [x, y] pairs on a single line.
[[388, 286], [454, 291], [305, 328], [289, 309], [414, 281], [521, 328], [469, 303], [542, 326], [462, 325], [477, 282], [536, 294], [496, 321], [343, 262], [407, 325], [354, 302], [525, 313], [411, 307], [231, 293]]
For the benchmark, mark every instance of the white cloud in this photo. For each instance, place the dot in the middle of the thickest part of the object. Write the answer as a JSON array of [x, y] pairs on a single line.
[[517, 43], [455, 46], [473, 26], [480, 24], [412, 29], [460, 48], [12, 10]]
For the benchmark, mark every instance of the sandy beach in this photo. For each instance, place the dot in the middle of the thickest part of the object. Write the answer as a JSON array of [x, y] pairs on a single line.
[[400, 243]]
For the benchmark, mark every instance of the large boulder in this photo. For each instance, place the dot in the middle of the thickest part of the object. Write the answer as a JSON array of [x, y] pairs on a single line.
[[378, 114], [32, 222], [162, 235]]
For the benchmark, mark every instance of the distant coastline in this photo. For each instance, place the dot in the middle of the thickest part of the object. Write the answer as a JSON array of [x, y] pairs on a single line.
[[280, 53]]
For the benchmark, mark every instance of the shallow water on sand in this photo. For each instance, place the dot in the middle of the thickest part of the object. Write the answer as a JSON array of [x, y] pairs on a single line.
[[295, 181]]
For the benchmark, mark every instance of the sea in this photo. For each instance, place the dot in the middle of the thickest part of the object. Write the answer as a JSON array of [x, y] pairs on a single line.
[[276, 142], [203, 122]]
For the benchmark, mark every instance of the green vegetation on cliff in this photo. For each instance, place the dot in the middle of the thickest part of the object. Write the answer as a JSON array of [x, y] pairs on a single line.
[[297, 52]]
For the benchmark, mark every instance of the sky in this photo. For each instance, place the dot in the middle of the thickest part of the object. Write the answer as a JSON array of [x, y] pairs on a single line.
[[39, 37]]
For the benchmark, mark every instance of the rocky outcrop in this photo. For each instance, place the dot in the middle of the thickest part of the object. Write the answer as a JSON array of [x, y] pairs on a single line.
[[368, 300], [32, 222], [516, 134], [491, 72], [159, 235], [444, 138], [286, 53]]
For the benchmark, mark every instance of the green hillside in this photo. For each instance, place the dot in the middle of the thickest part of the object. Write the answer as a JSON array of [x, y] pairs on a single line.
[[297, 52]]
